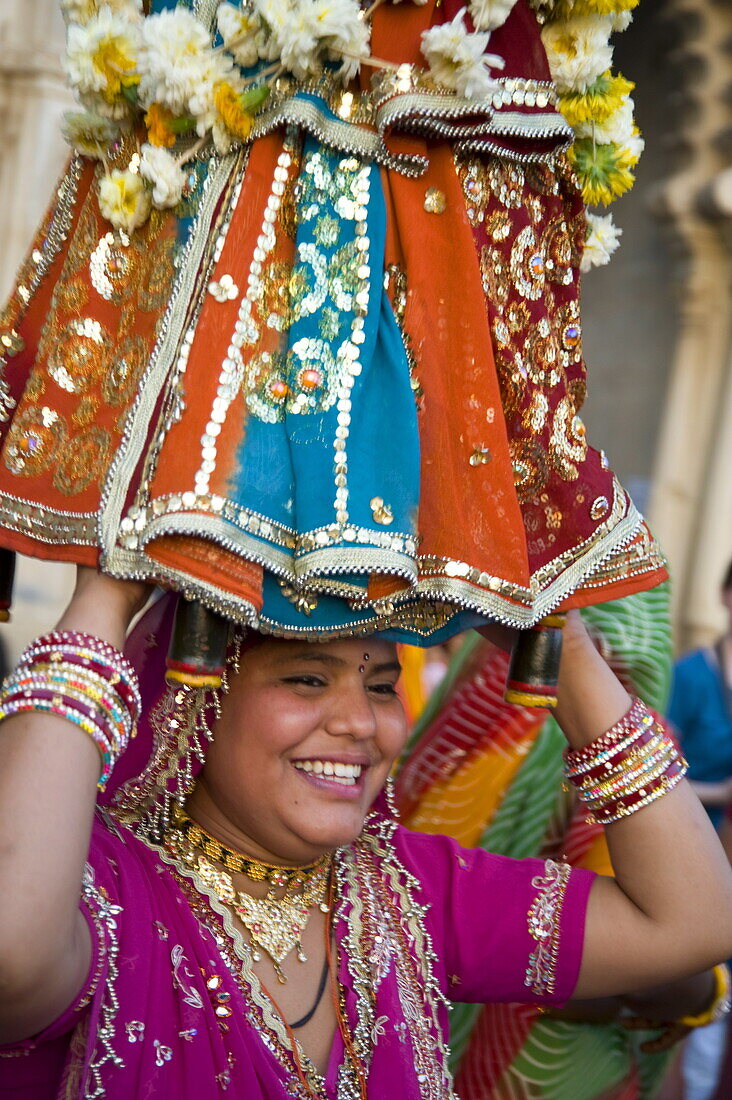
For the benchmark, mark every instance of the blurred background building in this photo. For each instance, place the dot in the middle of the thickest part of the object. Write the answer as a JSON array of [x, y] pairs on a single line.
[[657, 321]]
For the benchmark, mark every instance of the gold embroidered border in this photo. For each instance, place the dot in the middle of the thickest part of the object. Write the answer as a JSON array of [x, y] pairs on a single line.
[[543, 920], [164, 355], [49, 525]]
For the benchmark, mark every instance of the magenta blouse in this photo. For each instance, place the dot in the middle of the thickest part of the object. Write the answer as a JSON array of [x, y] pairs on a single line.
[[171, 1007]]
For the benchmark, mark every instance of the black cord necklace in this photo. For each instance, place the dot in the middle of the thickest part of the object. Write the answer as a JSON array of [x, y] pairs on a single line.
[[318, 998]]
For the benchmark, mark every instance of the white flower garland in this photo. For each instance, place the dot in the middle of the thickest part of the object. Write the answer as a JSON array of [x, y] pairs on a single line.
[[124, 66]]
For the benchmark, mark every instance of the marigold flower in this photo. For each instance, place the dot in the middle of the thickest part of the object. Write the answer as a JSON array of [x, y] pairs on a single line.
[[603, 171], [600, 100], [228, 104], [158, 119]]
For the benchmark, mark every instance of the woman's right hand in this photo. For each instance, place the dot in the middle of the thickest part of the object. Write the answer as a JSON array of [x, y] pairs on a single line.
[[103, 605]]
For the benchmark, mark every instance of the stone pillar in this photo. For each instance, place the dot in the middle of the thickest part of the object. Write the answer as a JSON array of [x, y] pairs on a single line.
[[33, 96], [691, 503]]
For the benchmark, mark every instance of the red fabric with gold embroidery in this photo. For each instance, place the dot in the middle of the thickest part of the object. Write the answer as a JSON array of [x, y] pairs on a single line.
[[517, 514]]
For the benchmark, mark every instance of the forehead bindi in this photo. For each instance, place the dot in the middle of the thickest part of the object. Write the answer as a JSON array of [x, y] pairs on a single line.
[[376, 658]]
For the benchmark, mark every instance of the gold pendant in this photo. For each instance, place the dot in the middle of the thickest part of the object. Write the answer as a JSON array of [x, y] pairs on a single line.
[[275, 925]]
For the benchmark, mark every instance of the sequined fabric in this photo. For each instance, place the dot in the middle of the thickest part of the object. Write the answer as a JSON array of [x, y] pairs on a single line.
[[332, 395]]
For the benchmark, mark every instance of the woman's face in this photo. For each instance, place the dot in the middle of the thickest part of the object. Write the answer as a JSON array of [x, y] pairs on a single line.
[[306, 740]]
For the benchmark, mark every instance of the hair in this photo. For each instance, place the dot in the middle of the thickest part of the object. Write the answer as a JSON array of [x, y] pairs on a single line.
[[727, 579]]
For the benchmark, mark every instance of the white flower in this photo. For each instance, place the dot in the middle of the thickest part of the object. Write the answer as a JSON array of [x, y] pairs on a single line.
[[216, 69], [164, 172], [101, 59], [293, 31], [124, 200], [621, 20], [303, 33], [603, 238], [617, 127], [175, 54], [345, 34], [81, 11], [633, 146], [89, 133], [458, 60], [488, 15], [578, 51], [241, 31]]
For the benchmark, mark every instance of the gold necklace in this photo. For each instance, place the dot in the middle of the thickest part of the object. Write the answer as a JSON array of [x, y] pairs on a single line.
[[273, 873], [275, 924]]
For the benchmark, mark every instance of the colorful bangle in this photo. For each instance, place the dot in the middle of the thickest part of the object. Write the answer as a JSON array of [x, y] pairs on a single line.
[[637, 717], [630, 803], [626, 768], [85, 650], [54, 706], [721, 1003], [82, 679]]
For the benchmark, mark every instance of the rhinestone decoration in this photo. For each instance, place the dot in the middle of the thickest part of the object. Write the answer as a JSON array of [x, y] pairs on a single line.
[[481, 456], [382, 513], [434, 201]]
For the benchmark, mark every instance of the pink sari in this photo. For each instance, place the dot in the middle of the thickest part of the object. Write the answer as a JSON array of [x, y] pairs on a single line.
[[173, 1008]]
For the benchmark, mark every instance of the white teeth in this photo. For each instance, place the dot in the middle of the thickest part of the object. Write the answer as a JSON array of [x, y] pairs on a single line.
[[346, 774]]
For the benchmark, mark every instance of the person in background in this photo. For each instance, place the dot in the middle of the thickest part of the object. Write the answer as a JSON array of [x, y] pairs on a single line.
[[700, 708], [489, 774]]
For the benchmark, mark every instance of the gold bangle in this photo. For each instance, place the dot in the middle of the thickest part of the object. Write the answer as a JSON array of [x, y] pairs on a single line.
[[720, 1005]]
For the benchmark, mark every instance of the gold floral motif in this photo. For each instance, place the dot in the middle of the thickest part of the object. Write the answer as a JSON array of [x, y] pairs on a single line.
[[435, 201], [498, 225], [80, 458], [85, 412], [528, 264], [381, 512], [127, 364], [543, 920], [568, 445], [72, 296], [79, 357], [530, 467], [33, 440]]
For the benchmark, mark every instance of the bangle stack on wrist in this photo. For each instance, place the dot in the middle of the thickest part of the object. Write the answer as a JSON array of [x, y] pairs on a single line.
[[81, 678], [628, 767], [721, 1003]]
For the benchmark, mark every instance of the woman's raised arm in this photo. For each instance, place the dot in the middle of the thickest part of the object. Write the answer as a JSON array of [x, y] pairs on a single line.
[[49, 769], [668, 911]]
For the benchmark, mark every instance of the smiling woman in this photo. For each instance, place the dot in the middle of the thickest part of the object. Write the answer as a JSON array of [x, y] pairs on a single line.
[[252, 917]]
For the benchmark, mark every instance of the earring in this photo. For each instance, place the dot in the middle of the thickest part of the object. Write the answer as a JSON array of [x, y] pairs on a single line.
[[390, 798]]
